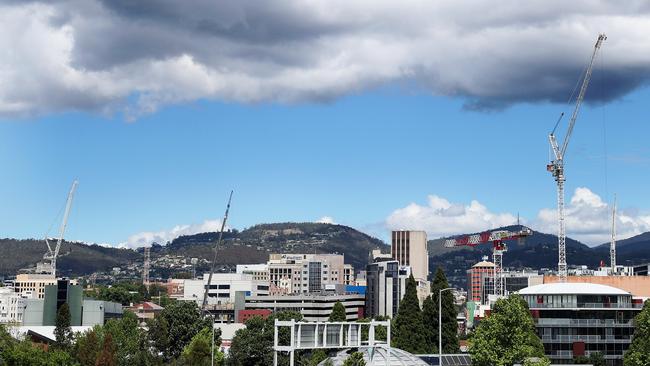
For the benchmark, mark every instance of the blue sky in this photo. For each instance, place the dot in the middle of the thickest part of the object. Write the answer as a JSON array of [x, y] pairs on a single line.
[[378, 115], [356, 159]]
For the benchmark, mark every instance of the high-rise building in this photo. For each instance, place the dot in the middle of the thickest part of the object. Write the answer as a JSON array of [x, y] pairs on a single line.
[[480, 282], [304, 273], [385, 287], [409, 248]]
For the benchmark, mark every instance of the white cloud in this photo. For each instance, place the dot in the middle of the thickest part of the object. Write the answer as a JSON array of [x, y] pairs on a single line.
[[588, 219], [147, 238], [326, 220], [442, 218], [133, 57]]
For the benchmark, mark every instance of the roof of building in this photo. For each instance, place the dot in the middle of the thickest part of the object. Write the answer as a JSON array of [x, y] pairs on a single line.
[[483, 264], [572, 288]]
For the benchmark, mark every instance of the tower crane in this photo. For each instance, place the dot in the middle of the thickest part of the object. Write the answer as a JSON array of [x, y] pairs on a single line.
[[49, 266], [497, 239], [556, 166]]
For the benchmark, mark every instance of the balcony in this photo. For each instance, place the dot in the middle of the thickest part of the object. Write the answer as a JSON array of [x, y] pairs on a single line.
[[587, 305], [584, 338], [583, 322]]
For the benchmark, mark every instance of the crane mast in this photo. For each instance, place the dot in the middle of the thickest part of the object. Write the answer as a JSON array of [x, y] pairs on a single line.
[[52, 254], [556, 167], [497, 238], [214, 259], [612, 245]]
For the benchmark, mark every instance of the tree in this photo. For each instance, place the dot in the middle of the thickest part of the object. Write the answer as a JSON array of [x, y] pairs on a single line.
[[639, 352], [537, 361], [354, 359], [253, 345], [409, 333], [430, 319], [126, 336], [199, 351], [507, 336], [87, 347], [317, 356], [24, 353], [107, 356], [338, 313], [63, 330], [449, 324], [175, 327]]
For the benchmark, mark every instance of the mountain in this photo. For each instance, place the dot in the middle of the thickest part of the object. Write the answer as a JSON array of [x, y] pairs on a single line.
[[537, 251], [252, 245], [74, 259]]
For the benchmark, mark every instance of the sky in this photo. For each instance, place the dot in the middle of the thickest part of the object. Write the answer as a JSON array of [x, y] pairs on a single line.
[[377, 115]]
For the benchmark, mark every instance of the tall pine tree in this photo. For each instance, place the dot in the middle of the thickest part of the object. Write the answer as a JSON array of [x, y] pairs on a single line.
[[449, 313], [430, 319], [338, 313], [63, 330], [408, 328]]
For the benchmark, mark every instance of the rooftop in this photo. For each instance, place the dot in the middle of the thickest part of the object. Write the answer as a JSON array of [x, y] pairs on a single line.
[[483, 264], [573, 289]]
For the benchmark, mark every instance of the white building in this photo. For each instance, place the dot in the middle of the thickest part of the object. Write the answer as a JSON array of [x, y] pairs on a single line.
[[313, 307], [305, 273], [260, 272], [224, 287], [12, 306]]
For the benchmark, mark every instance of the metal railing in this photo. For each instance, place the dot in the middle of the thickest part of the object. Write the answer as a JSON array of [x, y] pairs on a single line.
[[587, 305], [584, 322]]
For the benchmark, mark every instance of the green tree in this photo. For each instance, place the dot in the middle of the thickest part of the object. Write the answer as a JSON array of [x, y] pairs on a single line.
[[126, 336], [317, 356], [199, 351], [87, 347], [449, 324], [507, 336], [430, 319], [537, 361], [175, 326], [253, 345], [639, 352], [597, 359], [107, 356], [338, 313], [63, 330], [409, 332], [25, 354], [354, 359]]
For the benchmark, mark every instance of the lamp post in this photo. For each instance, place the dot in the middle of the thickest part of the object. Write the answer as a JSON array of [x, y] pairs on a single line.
[[440, 322]]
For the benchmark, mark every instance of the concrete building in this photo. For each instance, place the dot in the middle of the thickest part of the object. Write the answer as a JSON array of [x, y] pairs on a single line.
[[575, 319], [410, 248], [313, 307], [33, 285], [83, 312], [383, 289], [12, 306], [514, 281], [348, 275], [480, 282], [260, 272], [304, 273]]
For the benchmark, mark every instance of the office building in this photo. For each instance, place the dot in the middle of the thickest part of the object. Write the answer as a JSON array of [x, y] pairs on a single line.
[[409, 248], [33, 285], [514, 281], [480, 282], [348, 275], [260, 272], [383, 289], [578, 319], [313, 307], [304, 273], [12, 306]]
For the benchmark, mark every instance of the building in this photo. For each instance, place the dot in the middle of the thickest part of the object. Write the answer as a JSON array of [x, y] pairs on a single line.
[[145, 310], [12, 306], [260, 272], [33, 285], [383, 290], [313, 307], [304, 273], [480, 282], [409, 248], [348, 275], [42, 312], [175, 287], [576, 319], [245, 314], [638, 286], [514, 281]]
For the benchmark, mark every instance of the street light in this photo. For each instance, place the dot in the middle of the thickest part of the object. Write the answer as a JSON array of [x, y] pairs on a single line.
[[440, 322]]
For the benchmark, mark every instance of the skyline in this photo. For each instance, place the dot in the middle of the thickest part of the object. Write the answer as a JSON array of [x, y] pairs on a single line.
[[376, 121]]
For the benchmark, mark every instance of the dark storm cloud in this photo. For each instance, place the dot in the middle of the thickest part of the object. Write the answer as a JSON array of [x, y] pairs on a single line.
[[101, 53]]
